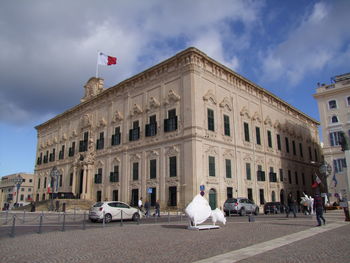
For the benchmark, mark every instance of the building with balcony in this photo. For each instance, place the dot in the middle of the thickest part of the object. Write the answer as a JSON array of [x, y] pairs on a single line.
[[161, 134], [334, 109], [8, 189]]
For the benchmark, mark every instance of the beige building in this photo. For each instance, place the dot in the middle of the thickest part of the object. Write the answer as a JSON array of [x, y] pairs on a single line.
[[10, 193], [161, 134], [334, 108]]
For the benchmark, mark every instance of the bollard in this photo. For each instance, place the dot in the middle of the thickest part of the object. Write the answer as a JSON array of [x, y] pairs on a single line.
[[64, 222], [12, 233], [7, 214], [168, 216], [40, 223], [74, 215], [24, 216], [84, 223], [121, 217], [251, 218], [103, 219]]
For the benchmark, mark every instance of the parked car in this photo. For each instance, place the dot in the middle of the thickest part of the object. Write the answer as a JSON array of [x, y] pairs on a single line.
[[273, 208], [113, 210], [240, 206]]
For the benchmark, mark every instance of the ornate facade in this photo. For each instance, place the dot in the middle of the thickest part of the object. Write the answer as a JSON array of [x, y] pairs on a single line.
[[186, 122]]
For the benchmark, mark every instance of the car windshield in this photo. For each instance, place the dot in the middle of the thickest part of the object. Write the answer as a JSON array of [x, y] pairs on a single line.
[[99, 204], [231, 200]]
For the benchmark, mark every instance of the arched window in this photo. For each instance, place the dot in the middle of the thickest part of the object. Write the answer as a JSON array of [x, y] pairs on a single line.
[[334, 119], [332, 104]]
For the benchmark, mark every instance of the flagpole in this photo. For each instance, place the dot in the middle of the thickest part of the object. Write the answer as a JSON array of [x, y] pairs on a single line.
[[98, 52]]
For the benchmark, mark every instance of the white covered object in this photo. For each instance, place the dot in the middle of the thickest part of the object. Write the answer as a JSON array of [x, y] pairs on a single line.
[[218, 215], [198, 210]]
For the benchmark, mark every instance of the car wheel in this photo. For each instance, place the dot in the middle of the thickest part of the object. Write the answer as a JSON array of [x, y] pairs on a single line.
[[256, 212], [242, 212], [136, 217], [108, 218], [93, 220]]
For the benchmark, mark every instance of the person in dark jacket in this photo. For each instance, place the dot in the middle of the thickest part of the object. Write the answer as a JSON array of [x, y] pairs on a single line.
[[147, 207], [291, 205], [157, 209], [318, 206]]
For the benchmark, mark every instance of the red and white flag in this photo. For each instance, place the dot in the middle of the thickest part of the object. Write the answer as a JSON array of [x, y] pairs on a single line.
[[318, 180], [106, 60], [48, 189]]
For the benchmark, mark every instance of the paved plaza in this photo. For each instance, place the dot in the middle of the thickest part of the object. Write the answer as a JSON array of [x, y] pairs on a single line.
[[271, 238]]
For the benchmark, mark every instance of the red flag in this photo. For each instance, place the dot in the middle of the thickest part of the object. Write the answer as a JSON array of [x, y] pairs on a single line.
[[314, 185], [106, 60], [48, 189]]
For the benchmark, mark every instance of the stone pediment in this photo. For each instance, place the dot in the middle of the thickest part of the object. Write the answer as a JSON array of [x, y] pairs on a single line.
[[173, 150], [117, 117], [268, 121], [256, 117], [210, 97], [172, 97], [93, 87], [136, 110], [244, 112], [225, 103], [102, 123], [153, 104], [85, 121]]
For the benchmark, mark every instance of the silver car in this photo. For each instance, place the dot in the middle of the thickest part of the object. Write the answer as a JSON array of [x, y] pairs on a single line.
[[113, 210], [240, 206]]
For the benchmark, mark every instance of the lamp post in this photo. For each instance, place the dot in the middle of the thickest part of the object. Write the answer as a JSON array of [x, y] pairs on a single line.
[[53, 184], [18, 181]]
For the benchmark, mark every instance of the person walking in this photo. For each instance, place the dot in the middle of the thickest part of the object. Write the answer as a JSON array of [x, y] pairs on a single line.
[[140, 205], [291, 205], [157, 209], [147, 207], [318, 206]]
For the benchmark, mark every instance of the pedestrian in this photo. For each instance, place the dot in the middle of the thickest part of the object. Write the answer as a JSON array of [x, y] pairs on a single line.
[[318, 206], [140, 205], [57, 206], [157, 209], [32, 207], [291, 205], [147, 207]]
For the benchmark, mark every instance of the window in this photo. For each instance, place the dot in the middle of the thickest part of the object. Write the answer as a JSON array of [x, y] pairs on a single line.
[[310, 153], [98, 176], [211, 165], [135, 171], [116, 137], [260, 174], [281, 175], [301, 150], [257, 133], [269, 139], [98, 196], [287, 144], [332, 104], [39, 183], [272, 175], [248, 171], [296, 178], [172, 196], [250, 194], [71, 150], [278, 142], [334, 138], [153, 168], [52, 155], [170, 124], [134, 133], [115, 195], [100, 142], [227, 131], [210, 120], [60, 180], [262, 197], [83, 145], [61, 153], [334, 119], [151, 128], [294, 148], [229, 192], [114, 175], [172, 166], [273, 196], [246, 132], [228, 168], [338, 165], [289, 176]]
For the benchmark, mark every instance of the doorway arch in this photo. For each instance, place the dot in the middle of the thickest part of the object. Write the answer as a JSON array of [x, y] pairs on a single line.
[[212, 198]]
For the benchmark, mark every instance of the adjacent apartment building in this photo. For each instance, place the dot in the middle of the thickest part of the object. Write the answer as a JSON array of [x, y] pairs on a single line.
[[334, 108], [161, 134], [10, 194]]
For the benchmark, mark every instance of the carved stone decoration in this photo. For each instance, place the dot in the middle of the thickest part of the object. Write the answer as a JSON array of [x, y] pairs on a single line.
[[247, 158], [209, 96], [136, 109], [153, 104], [259, 160], [173, 150], [277, 125], [172, 97], [271, 162], [64, 137], [256, 117], [93, 87], [85, 121], [117, 117], [55, 140], [228, 153], [153, 154], [135, 157], [99, 164], [116, 160], [212, 150], [268, 121], [102, 123], [244, 112], [225, 103]]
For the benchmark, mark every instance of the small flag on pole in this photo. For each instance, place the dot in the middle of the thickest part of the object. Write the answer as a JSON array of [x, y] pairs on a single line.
[[106, 60], [318, 180], [48, 189]]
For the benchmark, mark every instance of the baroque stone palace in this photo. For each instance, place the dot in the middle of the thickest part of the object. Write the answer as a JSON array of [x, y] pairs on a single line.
[[161, 134]]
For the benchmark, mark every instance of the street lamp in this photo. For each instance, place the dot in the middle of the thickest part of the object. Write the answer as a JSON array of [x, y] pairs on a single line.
[[53, 184], [18, 181]]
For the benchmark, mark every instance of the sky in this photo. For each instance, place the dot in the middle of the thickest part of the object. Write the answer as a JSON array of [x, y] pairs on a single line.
[[48, 51]]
